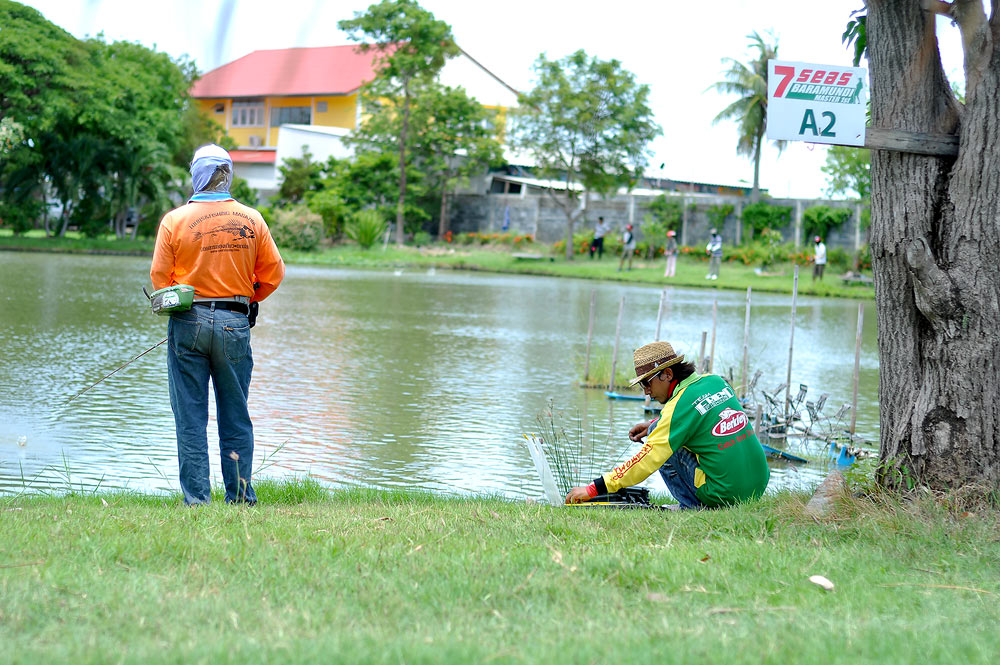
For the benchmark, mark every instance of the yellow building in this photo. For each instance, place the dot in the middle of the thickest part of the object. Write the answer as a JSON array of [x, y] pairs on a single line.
[[314, 94]]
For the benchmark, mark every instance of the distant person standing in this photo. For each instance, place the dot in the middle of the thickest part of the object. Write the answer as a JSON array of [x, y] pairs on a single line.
[[671, 251], [714, 251], [819, 260], [597, 245], [628, 247]]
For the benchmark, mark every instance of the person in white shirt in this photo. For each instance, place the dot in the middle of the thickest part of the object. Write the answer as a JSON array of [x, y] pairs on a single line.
[[819, 260], [598, 244]]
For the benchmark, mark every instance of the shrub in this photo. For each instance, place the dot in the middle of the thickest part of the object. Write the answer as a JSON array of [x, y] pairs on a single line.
[[366, 227], [331, 207], [20, 218], [421, 238], [296, 227], [818, 220], [759, 216]]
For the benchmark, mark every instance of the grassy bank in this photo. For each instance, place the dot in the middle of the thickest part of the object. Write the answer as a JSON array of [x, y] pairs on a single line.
[[690, 271], [376, 577]]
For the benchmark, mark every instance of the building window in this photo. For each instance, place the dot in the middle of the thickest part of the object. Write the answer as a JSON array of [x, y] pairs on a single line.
[[291, 115], [320, 107], [248, 113], [220, 108]]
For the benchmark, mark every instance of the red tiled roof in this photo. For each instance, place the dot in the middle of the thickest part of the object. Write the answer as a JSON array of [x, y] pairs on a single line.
[[253, 156], [325, 70]]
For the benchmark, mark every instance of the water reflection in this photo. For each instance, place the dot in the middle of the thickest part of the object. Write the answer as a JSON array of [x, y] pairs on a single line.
[[374, 378]]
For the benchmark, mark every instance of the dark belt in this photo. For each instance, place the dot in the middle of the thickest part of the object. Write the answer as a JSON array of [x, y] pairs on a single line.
[[231, 305]]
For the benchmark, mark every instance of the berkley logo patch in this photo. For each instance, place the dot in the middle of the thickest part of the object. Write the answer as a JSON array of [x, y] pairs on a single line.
[[730, 422]]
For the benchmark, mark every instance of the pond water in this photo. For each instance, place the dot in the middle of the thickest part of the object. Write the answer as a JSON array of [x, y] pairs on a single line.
[[389, 379]]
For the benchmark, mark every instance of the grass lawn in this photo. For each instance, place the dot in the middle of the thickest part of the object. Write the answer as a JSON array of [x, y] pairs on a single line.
[[361, 576], [690, 271]]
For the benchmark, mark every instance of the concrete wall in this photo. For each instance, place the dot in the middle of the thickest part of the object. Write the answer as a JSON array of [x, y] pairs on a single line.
[[541, 216]]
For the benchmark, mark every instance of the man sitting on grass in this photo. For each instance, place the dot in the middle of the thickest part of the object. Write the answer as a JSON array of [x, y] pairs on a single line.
[[702, 442]]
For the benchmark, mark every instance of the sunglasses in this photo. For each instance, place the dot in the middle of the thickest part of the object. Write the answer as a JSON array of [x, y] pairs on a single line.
[[645, 382]]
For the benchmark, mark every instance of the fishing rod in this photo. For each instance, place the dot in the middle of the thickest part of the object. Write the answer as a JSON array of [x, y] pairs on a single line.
[[120, 367]]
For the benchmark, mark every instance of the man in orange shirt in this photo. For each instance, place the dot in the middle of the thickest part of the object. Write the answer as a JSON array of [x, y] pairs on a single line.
[[225, 251]]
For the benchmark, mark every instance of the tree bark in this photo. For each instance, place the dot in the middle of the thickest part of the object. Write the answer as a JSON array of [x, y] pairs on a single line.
[[401, 202], [755, 192], [935, 256], [443, 220]]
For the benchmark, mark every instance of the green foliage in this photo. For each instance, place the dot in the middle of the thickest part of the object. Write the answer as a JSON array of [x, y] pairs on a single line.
[[587, 121], [421, 239], [99, 123], [366, 227], [749, 82], [664, 215], [666, 212], [411, 47], [296, 227], [298, 176], [443, 122], [718, 214], [328, 204], [770, 241], [21, 217], [818, 220], [243, 192], [856, 33], [848, 172], [762, 215]]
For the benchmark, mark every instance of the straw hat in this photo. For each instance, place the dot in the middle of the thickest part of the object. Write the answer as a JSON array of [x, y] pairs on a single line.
[[652, 358]]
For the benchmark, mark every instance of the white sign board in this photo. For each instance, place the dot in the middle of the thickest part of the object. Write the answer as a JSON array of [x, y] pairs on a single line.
[[816, 103]]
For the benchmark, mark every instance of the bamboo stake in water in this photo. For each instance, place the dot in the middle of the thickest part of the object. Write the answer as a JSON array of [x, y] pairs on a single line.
[[590, 334], [791, 343], [857, 367], [701, 353], [746, 345], [756, 420], [618, 332], [659, 314], [711, 350]]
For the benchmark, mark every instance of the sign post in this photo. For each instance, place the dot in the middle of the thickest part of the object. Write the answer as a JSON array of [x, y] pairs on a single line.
[[816, 103]]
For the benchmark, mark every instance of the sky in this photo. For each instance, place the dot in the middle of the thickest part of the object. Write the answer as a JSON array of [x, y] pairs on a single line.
[[678, 49]]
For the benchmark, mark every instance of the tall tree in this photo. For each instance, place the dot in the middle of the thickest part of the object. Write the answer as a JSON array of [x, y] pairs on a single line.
[[98, 121], [934, 248], [450, 136], [410, 44], [749, 81], [588, 123]]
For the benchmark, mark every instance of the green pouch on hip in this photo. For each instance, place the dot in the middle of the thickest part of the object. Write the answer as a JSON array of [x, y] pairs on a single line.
[[177, 298]]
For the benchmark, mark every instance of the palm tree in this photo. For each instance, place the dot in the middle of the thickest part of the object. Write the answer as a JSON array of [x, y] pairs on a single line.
[[749, 81]]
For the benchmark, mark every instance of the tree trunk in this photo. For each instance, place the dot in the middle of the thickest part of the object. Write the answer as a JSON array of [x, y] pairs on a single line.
[[400, 204], [935, 255], [443, 220], [755, 192]]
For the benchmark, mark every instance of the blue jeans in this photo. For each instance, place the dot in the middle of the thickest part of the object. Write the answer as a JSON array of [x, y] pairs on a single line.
[[678, 474], [207, 342]]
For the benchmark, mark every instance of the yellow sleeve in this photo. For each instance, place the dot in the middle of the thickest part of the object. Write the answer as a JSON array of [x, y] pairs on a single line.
[[650, 457]]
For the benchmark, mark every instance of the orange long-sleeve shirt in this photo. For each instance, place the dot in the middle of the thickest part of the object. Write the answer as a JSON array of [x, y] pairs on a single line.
[[220, 248]]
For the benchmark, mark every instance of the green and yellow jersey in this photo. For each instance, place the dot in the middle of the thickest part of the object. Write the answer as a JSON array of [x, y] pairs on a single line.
[[704, 416]]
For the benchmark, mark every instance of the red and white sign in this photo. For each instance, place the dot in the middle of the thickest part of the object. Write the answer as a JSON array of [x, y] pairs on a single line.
[[816, 103], [730, 422]]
